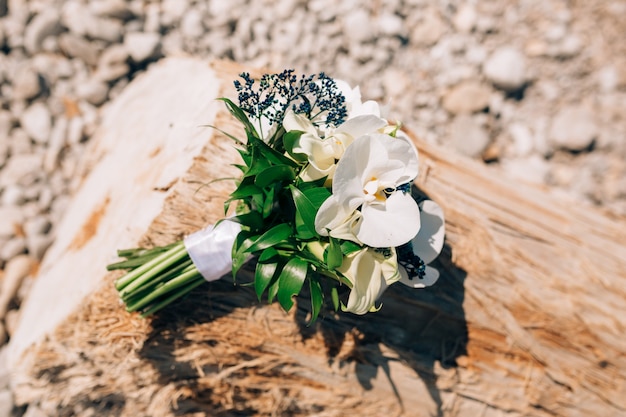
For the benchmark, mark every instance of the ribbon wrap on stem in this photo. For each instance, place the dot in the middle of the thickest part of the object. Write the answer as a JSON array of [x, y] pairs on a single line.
[[210, 249]]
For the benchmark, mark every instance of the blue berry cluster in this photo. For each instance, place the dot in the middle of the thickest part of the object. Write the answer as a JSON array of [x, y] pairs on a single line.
[[305, 94]]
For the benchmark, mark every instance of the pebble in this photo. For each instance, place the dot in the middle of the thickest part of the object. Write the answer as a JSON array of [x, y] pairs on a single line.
[[468, 137], [93, 91], [142, 46], [12, 248], [13, 195], [465, 18], [117, 9], [37, 122], [429, 30], [467, 97], [37, 245], [533, 169], [506, 69], [46, 23], [522, 137], [22, 169], [11, 219], [358, 26], [573, 128], [78, 47], [26, 84], [191, 24]]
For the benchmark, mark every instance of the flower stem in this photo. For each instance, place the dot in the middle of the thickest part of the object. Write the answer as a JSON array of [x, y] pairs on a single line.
[[142, 274]]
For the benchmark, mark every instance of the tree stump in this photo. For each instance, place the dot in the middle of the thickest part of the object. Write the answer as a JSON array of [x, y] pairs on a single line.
[[526, 319]]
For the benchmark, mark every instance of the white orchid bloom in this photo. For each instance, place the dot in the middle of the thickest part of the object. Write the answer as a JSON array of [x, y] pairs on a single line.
[[367, 178], [370, 273], [427, 244], [354, 105], [324, 152]]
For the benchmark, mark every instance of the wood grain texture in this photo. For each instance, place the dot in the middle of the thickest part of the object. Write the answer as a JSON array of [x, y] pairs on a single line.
[[527, 319]]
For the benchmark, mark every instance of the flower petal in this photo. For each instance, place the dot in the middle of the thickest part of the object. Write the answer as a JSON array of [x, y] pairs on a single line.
[[431, 276], [370, 274], [361, 125], [293, 121], [429, 241], [330, 215], [391, 224]]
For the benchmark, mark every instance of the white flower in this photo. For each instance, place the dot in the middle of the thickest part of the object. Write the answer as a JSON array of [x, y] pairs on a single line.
[[367, 178], [353, 102], [427, 244], [323, 152], [370, 273]]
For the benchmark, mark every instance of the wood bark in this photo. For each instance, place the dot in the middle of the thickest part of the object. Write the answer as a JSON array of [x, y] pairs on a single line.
[[526, 319]]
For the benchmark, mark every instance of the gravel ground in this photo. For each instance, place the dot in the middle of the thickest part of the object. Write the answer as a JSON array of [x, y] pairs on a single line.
[[537, 87]]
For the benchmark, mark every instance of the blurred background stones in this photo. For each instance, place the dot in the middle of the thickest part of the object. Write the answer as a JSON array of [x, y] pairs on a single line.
[[537, 88]]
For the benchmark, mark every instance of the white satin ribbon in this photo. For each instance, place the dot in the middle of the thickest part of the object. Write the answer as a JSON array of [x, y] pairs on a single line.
[[210, 249]]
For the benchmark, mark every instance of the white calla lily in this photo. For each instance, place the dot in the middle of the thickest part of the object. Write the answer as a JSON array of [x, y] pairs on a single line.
[[427, 244], [353, 102], [370, 273], [367, 178]]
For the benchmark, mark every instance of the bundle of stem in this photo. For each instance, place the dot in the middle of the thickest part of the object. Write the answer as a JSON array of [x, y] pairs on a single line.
[[156, 278]]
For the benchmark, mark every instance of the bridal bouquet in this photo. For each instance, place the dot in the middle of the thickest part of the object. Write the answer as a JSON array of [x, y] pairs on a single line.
[[324, 200]]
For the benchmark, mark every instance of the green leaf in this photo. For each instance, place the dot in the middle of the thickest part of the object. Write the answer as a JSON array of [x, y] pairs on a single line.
[[268, 203], [276, 158], [333, 255], [334, 295], [290, 281], [240, 250], [304, 208], [272, 237], [317, 298], [348, 247], [244, 191], [289, 140], [253, 220], [239, 115], [317, 196], [266, 268], [274, 174]]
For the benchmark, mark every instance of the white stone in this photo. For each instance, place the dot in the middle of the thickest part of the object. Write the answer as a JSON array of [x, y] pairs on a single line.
[[26, 84], [191, 24], [465, 18], [93, 90], [391, 24], [429, 30], [23, 169], [468, 137], [12, 248], [573, 128], [533, 169], [506, 69], [78, 47], [38, 225], [11, 219], [46, 23], [109, 30], [37, 122], [467, 97], [357, 26], [142, 46], [523, 140], [117, 9], [37, 245], [13, 195]]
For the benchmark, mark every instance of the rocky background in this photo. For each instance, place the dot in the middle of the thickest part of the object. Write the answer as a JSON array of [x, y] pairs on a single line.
[[535, 87]]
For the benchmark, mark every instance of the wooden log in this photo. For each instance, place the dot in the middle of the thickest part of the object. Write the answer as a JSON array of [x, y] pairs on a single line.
[[527, 318]]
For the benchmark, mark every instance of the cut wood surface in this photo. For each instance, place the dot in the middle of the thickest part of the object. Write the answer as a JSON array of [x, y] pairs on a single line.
[[526, 319]]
